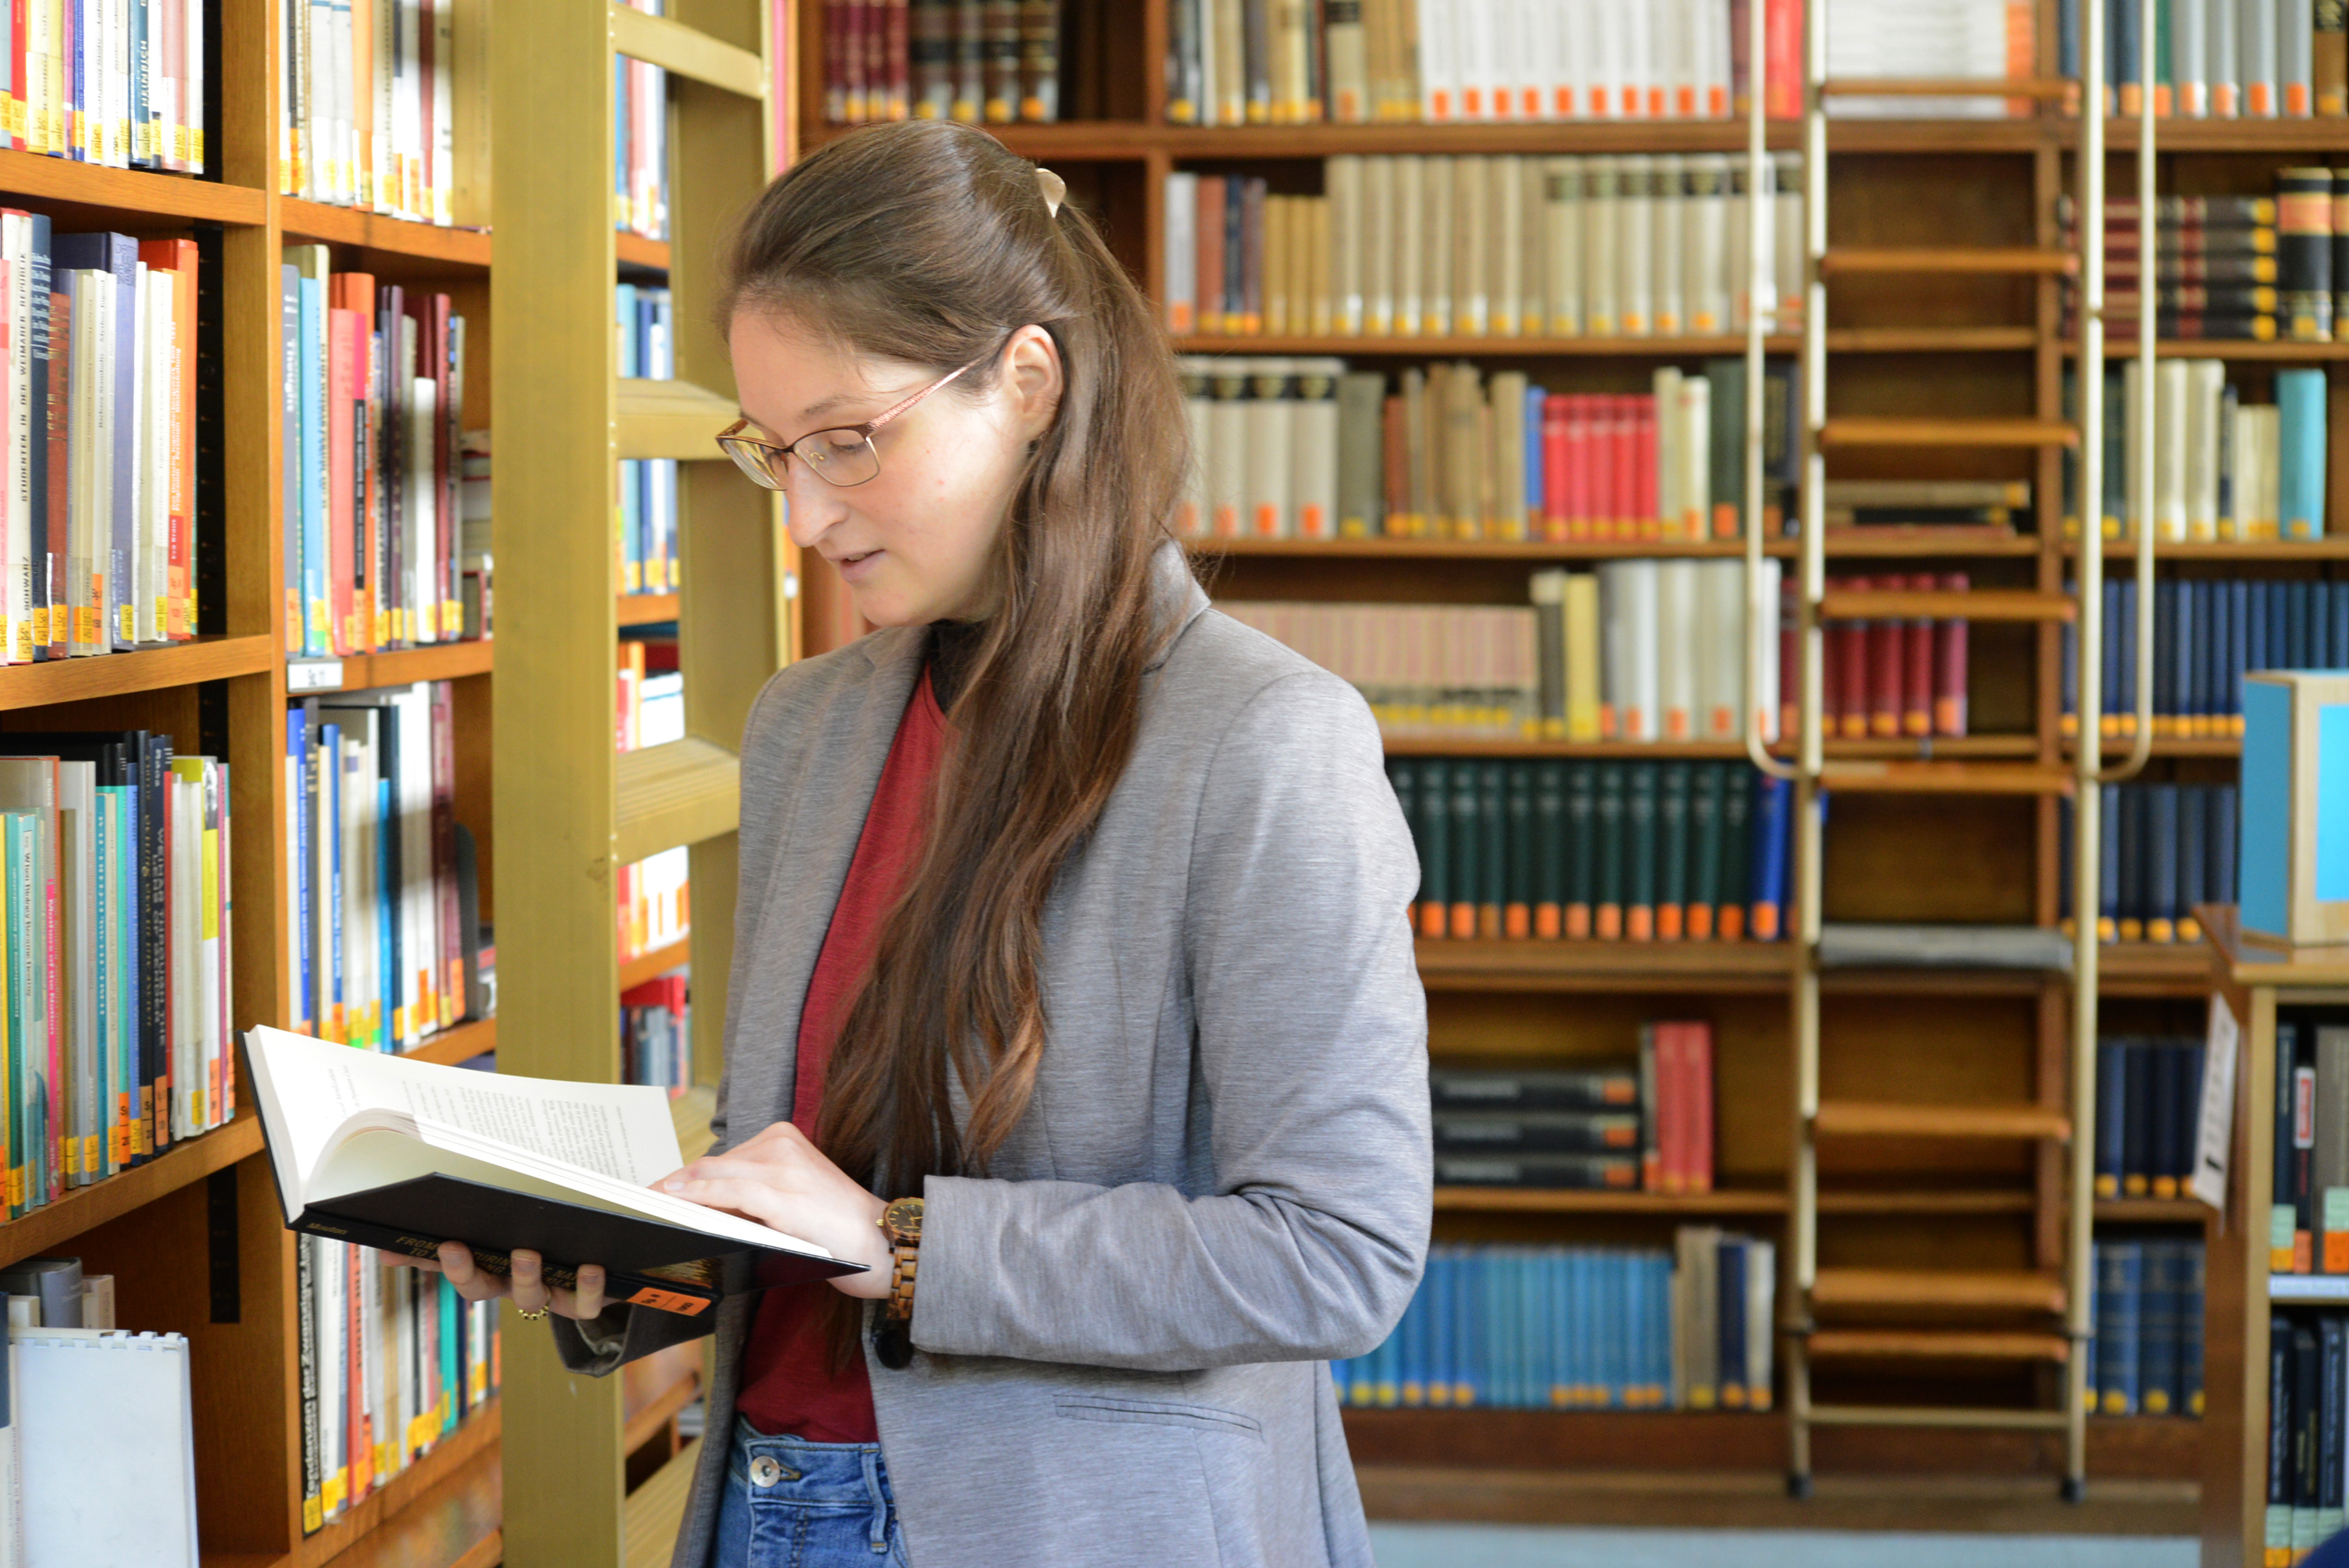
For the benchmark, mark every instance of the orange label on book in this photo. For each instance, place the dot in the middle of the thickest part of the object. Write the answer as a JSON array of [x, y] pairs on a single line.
[[668, 1301]]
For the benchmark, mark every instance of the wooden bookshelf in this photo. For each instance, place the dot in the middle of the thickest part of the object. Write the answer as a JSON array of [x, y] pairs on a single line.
[[634, 972]]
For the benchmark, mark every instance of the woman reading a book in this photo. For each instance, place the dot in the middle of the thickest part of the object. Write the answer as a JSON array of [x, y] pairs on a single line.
[[1074, 990]]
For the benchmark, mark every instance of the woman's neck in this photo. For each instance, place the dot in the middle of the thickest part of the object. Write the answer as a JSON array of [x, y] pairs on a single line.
[[953, 644]]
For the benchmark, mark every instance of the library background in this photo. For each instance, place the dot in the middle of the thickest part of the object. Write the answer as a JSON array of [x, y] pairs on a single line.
[[1771, 1192]]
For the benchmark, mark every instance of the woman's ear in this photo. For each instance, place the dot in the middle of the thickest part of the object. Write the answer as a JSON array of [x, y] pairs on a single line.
[[1031, 379]]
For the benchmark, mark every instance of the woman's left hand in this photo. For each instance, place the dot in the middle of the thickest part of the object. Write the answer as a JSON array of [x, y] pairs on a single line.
[[779, 1179]]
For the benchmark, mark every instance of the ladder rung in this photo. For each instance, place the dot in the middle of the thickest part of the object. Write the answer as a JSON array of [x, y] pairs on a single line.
[[1876, 1119], [2011, 1290], [1868, 431], [1947, 778], [1923, 1416], [1961, 605], [1945, 259], [1956, 1344], [1949, 87]]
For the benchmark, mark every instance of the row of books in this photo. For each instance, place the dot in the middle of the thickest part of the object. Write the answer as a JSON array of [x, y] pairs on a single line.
[[2166, 849], [2307, 1435], [2148, 1109], [2224, 471], [99, 377], [650, 694], [375, 110], [374, 408], [1553, 1328], [655, 902], [640, 142], [1636, 851], [2308, 1227], [656, 1033], [991, 61], [386, 889], [2254, 267], [392, 1361], [1501, 246], [2206, 635], [1644, 1126], [121, 86], [1306, 449], [2224, 59], [2145, 1355], [117, 962], [1884, 677], [645, 516]]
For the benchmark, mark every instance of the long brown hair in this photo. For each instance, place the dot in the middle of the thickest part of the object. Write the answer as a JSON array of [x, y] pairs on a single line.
[[930, 243]]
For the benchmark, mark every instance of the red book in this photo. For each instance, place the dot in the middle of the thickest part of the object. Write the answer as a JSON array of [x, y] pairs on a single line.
[[1580, 520], [1917, 667], [1782, 59], [1696, 1094], [340, 383], [1209, 227], [1849, 643], [1646, 506], [1950, 666], [60, 461], [1556, 485], [1625, 467], [1887, 686], [900, 60], [356, 291], [1600, 466]]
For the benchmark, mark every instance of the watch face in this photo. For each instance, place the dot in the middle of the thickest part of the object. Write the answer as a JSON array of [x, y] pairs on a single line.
[[903, 1220]]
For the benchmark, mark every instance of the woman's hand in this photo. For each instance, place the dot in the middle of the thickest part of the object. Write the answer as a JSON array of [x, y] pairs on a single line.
[[779, 1179], [531, 1293]]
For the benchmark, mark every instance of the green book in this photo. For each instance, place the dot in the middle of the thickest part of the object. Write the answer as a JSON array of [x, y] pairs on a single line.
[[1493, 836], [1672, 852], [1581, 846], [1467, 849], [1518, 910], [1607, 889], [1434, 848], [1549, 849], [1736, 848], [1640, 861], [1402, 777], [1704, 849]]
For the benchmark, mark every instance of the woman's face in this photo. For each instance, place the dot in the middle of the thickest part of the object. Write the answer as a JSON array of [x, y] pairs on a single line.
[[913, 544]]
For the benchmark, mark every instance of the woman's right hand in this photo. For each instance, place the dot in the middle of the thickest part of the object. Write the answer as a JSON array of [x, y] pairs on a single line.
[[530, 1292]]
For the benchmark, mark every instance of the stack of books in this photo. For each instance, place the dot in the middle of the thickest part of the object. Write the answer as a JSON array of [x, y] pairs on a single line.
[[384, 105], [991, 61], [1503, 246], [1885, 678], [2224, 471], [387, 924], [2167, 848], [651, 693], [1581, 1328], [2308, 1228], [2148, 1110], [97, 536], [1636, 851], [1307, 449], [1644, 1126], [2308, 1405], [2243, 267], [374, 413], [101, 84], [644, 519], [640, 142], [117, 962], [2145, 1357], [2206, 635], [656, 903], [656, 1031], [2224, 59]]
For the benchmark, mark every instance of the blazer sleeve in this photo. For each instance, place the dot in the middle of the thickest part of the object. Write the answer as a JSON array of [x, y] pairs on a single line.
[[1312, 1050]]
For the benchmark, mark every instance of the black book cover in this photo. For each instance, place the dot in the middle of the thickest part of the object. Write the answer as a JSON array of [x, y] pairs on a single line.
[[1551, 1133]]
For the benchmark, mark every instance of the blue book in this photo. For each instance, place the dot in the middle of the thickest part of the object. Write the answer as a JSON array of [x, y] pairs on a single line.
[[2189, 1331], [141, 151], [1774, 801], [2157, 1329], [1559, 1326], [2088, 1346], [1467, 1344], [2193, 858], [2256, 605], [2337, 625], [2166, 702], [1540, 1313], [2120, 1268], [2198, 631], [2123, 34], [1411, 1335], [2238, 644], [1637, 1275], [330, 821], [2132, 864], [2123, 652], [2305, 619], [2118, 632], [2161, 868], [2300, 404], [1604, 1314], [2108, 863], [1341, 1374], [2067, 39], [2223, 844], [1574, 1328], [2071, 663], [1660, 1330], [2112, 1113], [1730, 1265], [1434, 1290], [298, 750], [1537, 479], [2279, 626]]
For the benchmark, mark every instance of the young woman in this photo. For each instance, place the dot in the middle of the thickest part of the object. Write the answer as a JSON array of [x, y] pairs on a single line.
[[1069, 909]]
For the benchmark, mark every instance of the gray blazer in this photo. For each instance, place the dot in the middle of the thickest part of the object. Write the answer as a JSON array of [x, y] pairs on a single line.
[[1224, 1178]]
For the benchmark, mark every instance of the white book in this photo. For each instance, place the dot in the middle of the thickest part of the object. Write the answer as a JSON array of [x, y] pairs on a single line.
[[1669, 230], [1182, 255], [1472, 246], [1787, 236], [1227, 446], [1608, 89], [1410, 244], [1664, 387], [1381, 247], [69, 1388], [2267, 440], [156, 347], [1346, 47], [1635, 237], [1675, 643], [386, 114], [1712, 27], [2257, 57], [1533, 267], [1740, 213], [2206, 396], [1343, 178], [1315, 416], [1439, 287], [1683, 45], [2295, 24], [1439, 62], [2171, 399], [1483, 83], [2134, 500], [1704, 257], [1640, 85], [1602, 256], [16, 504], [409, 100], [1694, 445], [1506, 288], [1270, 435], [1761, 1316], [1571, 42], [1630, 632], [1562, 208], [1526, 56], [2220, 37], [444, 126], [2190, 54], [1763, 605]]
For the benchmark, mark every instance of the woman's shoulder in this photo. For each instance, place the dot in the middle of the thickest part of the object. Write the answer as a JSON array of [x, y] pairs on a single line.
[[1221, 672], [799, 692]]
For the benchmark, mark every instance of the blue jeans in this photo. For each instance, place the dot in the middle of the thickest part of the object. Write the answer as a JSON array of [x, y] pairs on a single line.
[[821, 1505]]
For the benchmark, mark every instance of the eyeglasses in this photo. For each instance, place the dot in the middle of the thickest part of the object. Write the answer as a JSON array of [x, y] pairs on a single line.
[[840, 456]]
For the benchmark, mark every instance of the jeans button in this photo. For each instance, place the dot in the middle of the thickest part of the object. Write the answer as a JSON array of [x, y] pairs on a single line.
[[765, 1471]]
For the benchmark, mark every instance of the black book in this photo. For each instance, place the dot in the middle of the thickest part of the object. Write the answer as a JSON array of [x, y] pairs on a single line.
[[1455, 1090], [1569, 1172], [1538, 1132], [403, 1155]]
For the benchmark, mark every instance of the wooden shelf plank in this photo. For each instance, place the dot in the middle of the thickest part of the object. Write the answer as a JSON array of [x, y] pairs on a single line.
[[130, 192], [1855, 544], [442, 1511], [637, 251], [85, 1208], [1868, 431], [687, 52], [1485, 965], [673, 1382], [648, 609], [1944, 259], [1948, 779], [669, 418], [655, 1512], [2017, 1290], [1949, 87], [461, 1044], [1846, 340], [634, 972], [2122, 345], [2333, 547], [393, 666], [681, 793], [452, 247], [143, 669], [1866, 1118], [1541, 1201], [2248, 962], [2159, 1210], [1970, 605], [1888, 1344]]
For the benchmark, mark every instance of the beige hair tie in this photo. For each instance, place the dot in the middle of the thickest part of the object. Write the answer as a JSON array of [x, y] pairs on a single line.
[[1055, 189]]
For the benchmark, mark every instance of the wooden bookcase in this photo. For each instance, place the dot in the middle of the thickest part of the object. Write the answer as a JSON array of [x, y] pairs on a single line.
[[1979, 345]]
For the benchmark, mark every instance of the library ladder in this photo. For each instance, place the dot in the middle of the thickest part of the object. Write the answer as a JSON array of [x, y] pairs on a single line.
[[2052, 1303]]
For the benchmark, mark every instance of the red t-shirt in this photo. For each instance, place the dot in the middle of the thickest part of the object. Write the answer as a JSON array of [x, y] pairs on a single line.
[[787, 1380]]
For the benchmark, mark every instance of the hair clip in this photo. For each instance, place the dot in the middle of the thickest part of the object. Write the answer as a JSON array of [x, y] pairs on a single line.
[[1055, 189]]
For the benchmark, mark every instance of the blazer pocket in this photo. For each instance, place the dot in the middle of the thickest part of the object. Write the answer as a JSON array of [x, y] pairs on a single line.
[[1155, 1413]]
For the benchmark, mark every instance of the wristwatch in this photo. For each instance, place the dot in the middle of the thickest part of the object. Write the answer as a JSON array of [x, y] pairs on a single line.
[[901, 1222]]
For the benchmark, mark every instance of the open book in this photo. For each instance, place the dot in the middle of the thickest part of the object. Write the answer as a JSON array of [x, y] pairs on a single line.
[[403, 1155]]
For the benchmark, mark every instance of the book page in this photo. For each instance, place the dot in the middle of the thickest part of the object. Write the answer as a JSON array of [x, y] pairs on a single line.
[[308, 1088]]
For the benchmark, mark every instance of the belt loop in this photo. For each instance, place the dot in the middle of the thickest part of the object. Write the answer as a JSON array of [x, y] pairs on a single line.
[[880, 1528]]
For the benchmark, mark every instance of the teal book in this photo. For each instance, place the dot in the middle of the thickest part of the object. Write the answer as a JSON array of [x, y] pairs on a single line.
[[1704, 849], [1672, 807], [1493, 852], [1548, 849], [1609, 885], [1641, 812], [1467, 847], [2300, 404], [1737, 852], [1434, 848], [1581, 847], [1402, 778], [1518, 862]]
